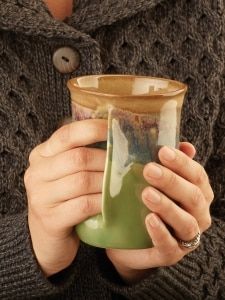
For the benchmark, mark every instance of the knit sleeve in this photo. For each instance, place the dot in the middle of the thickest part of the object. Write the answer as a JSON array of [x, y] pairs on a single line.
[[20, 275], [199, 275]]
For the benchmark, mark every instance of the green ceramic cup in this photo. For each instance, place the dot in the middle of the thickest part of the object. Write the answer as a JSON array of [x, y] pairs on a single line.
[[143, 114]]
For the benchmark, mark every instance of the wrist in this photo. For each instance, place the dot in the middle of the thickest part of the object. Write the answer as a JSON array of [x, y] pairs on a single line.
[[58, 257], [131, 276], [52, 253]]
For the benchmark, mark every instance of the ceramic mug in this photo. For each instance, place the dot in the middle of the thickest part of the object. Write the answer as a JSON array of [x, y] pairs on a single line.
[[143, 114]]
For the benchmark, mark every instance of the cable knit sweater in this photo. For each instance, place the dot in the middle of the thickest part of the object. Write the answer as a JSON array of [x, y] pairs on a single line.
[[180, 39]]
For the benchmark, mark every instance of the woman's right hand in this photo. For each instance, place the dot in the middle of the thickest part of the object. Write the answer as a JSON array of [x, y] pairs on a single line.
[[64, 184]]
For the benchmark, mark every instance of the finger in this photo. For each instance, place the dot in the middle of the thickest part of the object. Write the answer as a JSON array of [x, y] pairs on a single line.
[[167, 250], [184, 225], [183, 192], [74, 211], [188, 149], [72, 135], [174, 186], [72, 186], [187, 168], [70, 162], [180, 163], [189, 196]]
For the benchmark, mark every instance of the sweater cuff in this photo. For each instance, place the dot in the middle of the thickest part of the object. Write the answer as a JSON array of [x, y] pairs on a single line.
[[160, 284], [184, 280], [21, 275]]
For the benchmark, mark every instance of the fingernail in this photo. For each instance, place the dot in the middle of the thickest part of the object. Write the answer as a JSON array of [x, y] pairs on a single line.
[[153, 221], [152, 196], [168, 153], [154, 171]]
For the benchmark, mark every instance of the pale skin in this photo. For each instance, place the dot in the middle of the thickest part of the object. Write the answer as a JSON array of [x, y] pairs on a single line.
[[64, 183]]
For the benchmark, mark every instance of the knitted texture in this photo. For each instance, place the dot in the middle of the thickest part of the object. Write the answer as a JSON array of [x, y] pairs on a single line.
[[182, 40]]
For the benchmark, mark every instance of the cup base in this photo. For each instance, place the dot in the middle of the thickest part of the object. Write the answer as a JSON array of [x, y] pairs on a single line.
[[94, 233]]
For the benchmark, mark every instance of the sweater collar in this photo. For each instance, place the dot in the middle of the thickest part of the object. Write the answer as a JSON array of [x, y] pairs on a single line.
[[27, 15], [89, 14]]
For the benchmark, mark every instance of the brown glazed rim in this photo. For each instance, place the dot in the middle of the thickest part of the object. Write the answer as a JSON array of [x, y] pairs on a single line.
[[181, 87]]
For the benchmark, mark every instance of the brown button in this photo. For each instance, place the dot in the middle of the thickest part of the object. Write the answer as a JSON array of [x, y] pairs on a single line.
[[66, 59]]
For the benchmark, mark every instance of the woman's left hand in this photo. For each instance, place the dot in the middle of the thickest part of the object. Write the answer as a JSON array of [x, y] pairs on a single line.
[[179, 196]]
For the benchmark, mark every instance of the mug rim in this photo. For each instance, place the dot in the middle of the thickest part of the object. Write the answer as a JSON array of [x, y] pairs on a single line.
[[181, 87]]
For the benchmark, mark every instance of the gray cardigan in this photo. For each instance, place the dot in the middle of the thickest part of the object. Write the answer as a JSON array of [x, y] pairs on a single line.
[[180, 39]]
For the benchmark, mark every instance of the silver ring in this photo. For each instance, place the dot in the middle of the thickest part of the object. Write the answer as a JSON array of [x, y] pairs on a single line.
[[191, 244]]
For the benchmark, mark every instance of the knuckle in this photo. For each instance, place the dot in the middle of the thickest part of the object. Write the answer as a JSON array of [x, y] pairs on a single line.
[[183, 161], [83, 181], [81, 157], [32, 155], [197, 196], [28, 178], [86, 206], [191, 228], [171, 206], [202, 177], [210, 195], [207, 222], [172, 180], [168, 206], [97, 131], [64, 134]]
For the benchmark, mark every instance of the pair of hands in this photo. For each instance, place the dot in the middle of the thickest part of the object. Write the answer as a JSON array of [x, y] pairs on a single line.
[[64, 183]]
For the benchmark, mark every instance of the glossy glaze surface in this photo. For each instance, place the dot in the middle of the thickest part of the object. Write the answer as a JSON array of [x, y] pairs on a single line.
[[134, 138]]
